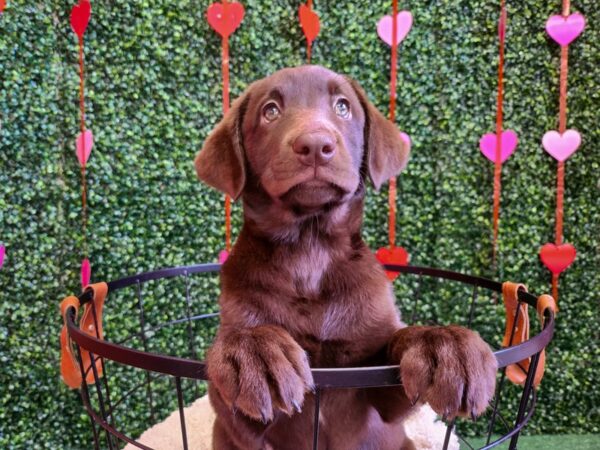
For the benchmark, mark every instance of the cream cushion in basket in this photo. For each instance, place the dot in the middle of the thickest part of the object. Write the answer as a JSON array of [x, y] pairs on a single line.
[[426, 432]]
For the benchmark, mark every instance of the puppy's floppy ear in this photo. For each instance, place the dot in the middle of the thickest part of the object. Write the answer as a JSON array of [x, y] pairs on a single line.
[[386, 154], [221, 162]]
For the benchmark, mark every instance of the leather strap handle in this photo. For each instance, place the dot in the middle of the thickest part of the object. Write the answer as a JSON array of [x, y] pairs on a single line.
[[70, 370], [517, 311]]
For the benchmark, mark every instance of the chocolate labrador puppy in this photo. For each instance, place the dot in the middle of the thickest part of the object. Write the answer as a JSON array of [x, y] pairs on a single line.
[[301, 289]]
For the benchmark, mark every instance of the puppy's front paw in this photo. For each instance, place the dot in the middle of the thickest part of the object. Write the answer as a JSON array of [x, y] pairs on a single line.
[[260, 370], [451, 368]]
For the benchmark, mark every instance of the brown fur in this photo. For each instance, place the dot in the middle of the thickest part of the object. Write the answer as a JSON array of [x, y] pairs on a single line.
[[301, 289]]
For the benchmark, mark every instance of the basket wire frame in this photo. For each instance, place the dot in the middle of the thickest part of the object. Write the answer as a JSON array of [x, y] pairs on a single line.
[[105, 418]]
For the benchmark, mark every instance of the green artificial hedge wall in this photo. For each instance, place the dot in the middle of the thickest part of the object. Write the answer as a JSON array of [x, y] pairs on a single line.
[[154, 92]]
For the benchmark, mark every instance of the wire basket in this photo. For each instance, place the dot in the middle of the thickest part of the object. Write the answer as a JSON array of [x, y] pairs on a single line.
[[134, 368]]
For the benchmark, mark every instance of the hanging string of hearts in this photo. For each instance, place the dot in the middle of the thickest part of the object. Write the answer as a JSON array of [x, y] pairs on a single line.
[[498, 146], [225, 18], [309, 21], [80, 17], [392, 30], [561, 144]]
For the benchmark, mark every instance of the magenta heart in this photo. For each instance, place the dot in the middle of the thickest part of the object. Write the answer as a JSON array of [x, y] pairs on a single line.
[[565, 30], [2, 253], [561, 146], [404, 21], [83, 146], [508, 144], [223, 255], [86, 272]]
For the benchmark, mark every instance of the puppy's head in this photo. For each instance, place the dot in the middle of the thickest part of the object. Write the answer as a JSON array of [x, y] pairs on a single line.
[[305, 136]]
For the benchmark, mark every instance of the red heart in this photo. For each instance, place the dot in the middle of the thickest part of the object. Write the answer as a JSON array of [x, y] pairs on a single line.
[[225, 24], [397, 255], [309, 21], [80, 16], [557, 257], [2, 5]]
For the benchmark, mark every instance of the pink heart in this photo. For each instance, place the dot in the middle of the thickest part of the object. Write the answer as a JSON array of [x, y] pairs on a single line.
[[565, 30], [406, 139], [508, 144], [2, 253], [83, 146], [404, 21], [86, 272], [561, 146]]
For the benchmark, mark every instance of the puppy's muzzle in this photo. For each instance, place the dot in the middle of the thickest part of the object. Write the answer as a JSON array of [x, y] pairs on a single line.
[[314, 149]]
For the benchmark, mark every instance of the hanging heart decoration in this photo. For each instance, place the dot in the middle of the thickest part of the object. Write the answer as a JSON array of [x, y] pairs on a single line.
[[508, 144], [406, 139], [561, 146], [223, 24], [2, 253], [396, 255], [86, 272], [83, 146], [2, 6], [80, 17], [404, 20], [561, 143], [225, 18], [309, 21], [565, 30], [557, 257], [223, 255]]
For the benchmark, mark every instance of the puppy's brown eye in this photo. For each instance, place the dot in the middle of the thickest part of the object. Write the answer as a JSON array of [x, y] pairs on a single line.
[[271, 112], [342, 108]]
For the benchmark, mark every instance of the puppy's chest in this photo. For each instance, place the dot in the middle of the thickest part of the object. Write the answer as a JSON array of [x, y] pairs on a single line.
[[306, 269]]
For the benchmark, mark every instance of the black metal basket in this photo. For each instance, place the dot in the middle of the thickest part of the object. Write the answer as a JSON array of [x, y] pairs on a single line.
[[102, 408]]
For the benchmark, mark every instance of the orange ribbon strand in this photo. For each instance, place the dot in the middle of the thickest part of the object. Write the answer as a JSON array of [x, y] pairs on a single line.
[[562, 126], [225, 74], [308, 42], [499, 112], [392, 193], [82, 129]]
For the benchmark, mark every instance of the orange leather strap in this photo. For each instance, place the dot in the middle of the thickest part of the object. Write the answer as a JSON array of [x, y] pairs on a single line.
[[545, 302], [511, 304], [88, 325], [517, 373], [70, 370]]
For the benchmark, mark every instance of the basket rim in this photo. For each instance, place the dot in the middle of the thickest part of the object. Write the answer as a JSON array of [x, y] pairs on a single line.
[[348, 377]]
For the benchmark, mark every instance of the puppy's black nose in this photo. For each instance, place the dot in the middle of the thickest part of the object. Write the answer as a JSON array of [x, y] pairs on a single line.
[[314, 149]]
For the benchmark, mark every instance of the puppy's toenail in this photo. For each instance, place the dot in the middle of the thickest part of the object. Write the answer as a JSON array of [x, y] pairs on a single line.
[[414, 401], [296, 406]]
